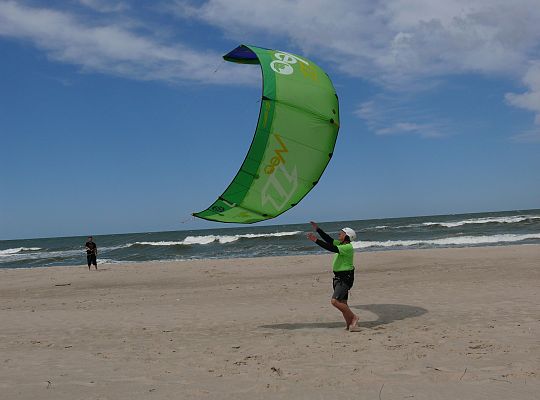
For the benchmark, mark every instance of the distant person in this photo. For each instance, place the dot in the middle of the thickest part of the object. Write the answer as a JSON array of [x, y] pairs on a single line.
[[343, 268], [91, 252]]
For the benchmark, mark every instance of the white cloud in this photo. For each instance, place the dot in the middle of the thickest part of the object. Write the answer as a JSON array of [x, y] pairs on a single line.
[[530, 136], [112, 48], [424, 130], [105, 6], [402, 45], [530, 100], [392, 41], [385, 117], [399, 44]]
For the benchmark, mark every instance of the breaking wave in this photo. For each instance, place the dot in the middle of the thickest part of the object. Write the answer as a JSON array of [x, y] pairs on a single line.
[[487, 220], [16, 250], [222, 239], [450, 241], [516, 219]]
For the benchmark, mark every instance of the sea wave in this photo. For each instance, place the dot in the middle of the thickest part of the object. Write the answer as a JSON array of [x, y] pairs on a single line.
[[449, 241], [222, 239], [111, 261], [470, 221], [486, 220], [16, 250], [37, 253]]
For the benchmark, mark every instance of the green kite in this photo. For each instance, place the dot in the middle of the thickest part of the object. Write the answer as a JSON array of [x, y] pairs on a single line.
[[294, 141]]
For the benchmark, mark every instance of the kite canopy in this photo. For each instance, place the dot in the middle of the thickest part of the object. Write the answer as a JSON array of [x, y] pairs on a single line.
[[294, 141]]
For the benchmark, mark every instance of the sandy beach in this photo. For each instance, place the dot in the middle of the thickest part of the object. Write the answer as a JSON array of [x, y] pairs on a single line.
[[435, 324]]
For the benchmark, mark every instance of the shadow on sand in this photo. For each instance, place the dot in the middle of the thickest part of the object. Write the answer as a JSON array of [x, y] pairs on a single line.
[[386, 313]]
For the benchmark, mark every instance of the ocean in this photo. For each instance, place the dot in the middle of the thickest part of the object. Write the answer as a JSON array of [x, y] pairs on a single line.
[[435, 231]]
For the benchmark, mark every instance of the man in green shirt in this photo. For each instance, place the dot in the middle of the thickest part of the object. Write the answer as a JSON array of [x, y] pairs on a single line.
[[343, 268]]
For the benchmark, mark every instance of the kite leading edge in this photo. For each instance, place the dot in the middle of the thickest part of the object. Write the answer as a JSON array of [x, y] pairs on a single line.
[[293, 143]]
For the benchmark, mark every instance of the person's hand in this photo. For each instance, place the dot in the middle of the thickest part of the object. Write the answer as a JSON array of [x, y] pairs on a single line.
[[312, 237], [314, 225]]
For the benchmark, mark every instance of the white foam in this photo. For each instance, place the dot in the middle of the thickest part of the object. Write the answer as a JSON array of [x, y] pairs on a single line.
[[200, 239], [21, 256], [111, 248], [227, 239], [486, 220], [158, 243], [222, 239], [34, 253], [8, 252], [450, 241], [277, 234], [110, 261]]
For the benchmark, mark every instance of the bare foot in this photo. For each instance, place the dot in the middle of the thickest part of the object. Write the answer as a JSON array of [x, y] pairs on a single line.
[[352, 326]]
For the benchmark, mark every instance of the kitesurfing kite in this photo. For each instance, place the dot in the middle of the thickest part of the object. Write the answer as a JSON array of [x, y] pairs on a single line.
[[294, 141]]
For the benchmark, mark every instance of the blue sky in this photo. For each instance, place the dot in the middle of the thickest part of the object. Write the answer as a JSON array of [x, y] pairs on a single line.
[[120, 116]]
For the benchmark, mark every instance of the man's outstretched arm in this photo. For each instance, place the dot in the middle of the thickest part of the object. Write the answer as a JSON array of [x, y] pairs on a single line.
[[327, 238], [325, 245]]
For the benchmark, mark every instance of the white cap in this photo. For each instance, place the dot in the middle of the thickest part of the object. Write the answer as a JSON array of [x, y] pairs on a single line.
[[350, 233]]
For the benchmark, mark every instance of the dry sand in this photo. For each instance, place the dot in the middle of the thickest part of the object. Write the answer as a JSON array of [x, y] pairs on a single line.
[[436, 324]]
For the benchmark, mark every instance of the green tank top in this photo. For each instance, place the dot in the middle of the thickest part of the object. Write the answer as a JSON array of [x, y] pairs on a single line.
[[343, 261]]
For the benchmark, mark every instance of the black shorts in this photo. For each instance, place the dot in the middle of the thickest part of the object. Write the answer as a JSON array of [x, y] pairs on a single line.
[[342, 283], [91, 259]]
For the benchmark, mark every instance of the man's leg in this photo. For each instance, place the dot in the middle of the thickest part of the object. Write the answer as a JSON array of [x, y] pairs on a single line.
[[339, 300], [350, 318], [342, 306], [89, 260]]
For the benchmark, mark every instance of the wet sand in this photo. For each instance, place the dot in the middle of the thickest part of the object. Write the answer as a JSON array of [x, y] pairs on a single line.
[[435, 324]]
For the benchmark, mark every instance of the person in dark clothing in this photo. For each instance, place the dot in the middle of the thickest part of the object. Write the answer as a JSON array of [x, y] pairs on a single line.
[[91, 252], [343, 268]]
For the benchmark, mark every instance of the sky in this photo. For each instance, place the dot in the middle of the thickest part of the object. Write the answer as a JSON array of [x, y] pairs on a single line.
[[121, 116]]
